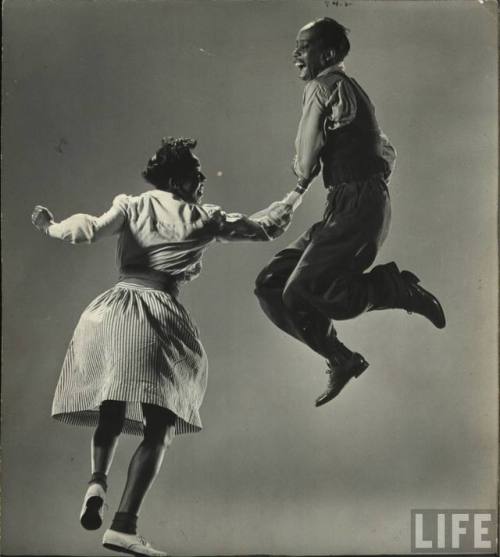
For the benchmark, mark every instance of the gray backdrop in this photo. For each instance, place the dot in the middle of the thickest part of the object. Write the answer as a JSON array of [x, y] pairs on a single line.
[[89, 89]]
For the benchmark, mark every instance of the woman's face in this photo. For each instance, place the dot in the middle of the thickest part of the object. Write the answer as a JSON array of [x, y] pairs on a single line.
[[193, 185]]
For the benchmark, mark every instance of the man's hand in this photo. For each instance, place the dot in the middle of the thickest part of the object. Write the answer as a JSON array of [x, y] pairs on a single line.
[[42, 218], [279, 214], [275, 218]]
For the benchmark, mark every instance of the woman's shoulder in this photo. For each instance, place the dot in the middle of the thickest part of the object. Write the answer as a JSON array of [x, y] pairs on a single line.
[[140, 198]]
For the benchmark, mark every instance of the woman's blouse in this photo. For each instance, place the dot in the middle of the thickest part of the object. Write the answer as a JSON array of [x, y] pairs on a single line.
[[160, 231]]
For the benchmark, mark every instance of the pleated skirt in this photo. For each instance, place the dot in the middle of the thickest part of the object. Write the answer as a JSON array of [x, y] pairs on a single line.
[[136, 344]]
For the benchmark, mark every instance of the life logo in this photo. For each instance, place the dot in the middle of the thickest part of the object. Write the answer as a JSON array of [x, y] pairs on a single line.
[[454, 531]]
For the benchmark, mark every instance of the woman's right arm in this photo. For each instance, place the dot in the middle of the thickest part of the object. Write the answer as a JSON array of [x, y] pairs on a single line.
[[82, 228]]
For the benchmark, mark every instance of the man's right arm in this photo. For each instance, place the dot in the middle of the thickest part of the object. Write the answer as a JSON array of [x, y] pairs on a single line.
[[310, 138]]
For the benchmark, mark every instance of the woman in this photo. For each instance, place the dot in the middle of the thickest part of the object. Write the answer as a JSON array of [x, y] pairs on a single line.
[[135, 362]]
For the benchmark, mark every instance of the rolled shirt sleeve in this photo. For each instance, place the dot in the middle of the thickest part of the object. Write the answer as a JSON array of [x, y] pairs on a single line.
[[389, 153], [83, 228]]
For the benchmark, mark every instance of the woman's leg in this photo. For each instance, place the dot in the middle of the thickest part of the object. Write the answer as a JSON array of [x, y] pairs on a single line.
[[104, 441], [159, 431]]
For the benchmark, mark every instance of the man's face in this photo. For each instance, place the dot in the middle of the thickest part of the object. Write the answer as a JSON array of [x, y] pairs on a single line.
[[193, 184], [309, 54]]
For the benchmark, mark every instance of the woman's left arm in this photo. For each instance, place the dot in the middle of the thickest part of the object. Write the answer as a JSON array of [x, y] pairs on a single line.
[[81, 228], [264, 225]]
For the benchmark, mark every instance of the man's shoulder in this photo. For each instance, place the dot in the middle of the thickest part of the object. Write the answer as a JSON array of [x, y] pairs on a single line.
[[330, 80], [324, 85]]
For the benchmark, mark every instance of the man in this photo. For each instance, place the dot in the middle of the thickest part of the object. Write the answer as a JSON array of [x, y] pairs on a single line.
[[320, 277]]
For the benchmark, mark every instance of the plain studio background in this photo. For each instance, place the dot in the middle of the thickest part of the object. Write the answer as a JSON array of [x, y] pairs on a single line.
[[89, 90]]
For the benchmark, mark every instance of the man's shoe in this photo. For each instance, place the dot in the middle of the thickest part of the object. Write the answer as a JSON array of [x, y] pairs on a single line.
[[340, 371], [422, 302], [93, 507], [133, 544]]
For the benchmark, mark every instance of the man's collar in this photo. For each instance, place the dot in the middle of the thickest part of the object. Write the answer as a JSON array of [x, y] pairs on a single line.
[[332, 69]]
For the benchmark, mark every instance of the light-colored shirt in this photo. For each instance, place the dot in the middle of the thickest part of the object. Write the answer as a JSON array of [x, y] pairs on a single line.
[[325, 110], [160, 231]]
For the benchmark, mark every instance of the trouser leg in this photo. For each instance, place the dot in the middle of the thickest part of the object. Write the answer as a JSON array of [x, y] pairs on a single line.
[[308, 325], [330, 274]]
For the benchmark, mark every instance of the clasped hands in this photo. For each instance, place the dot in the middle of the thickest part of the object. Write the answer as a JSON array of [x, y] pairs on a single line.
[[278, 214]]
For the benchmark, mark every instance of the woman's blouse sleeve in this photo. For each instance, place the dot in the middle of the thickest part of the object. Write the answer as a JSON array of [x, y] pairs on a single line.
[[234, 227], [82, 228]]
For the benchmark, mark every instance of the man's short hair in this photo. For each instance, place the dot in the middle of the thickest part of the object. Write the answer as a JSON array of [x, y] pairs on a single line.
[[173, 160], [333, 35]]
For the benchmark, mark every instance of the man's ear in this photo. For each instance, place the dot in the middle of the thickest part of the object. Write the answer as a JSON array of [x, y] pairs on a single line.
[[329, 56]]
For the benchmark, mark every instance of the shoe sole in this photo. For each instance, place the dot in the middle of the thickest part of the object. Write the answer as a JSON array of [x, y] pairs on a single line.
[[120, 549], [113, 547], [91, 519]]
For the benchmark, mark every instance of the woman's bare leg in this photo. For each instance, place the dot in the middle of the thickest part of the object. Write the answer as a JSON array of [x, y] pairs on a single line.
[[159, 431]]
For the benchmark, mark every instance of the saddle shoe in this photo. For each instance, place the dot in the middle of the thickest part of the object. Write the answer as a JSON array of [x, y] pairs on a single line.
[[133, 544], [92, 512]]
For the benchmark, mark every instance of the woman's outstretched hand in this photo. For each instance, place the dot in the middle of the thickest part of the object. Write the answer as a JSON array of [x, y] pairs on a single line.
[[42, 218]]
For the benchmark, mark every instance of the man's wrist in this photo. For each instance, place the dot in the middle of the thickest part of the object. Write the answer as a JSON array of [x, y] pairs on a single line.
[[302, 183], [293, 199]]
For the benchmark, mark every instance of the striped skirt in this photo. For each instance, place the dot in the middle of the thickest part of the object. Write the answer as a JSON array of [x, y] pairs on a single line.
[[136, 344]]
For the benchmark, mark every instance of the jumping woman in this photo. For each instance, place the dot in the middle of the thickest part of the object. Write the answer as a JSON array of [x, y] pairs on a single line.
[[135, 363]]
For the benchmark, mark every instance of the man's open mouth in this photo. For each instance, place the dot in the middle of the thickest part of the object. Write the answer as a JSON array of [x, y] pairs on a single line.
[[300, 65]]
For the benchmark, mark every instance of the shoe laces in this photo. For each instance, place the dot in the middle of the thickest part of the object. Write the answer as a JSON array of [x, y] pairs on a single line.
[[329, 368], [331, 363], [142, 539]]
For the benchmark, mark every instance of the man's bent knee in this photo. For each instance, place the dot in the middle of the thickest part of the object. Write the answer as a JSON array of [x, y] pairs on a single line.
[[263, 283], [294, 296], [298, 296]]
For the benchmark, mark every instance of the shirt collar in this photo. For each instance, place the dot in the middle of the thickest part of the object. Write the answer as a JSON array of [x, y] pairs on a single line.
[[340, 67]]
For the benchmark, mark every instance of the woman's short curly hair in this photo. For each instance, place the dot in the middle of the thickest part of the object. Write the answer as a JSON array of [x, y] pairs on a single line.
[[171, 161]]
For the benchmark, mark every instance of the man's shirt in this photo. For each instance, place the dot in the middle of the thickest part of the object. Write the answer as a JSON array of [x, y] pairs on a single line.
[[326, 109]]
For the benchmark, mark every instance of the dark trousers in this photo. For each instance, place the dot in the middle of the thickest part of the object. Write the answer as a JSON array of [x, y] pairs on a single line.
[[320, 277]]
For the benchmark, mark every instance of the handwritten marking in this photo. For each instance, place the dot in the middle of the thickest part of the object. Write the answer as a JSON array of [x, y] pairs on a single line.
[[337, 3]]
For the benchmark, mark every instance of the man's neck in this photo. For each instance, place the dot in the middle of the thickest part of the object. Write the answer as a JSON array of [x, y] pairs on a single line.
[[340, 67]]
